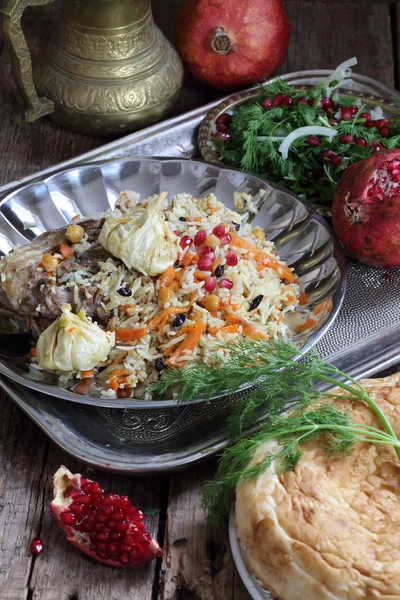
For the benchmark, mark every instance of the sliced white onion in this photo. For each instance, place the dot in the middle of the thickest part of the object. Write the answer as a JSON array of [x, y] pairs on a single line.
[[301, 132], [272, 138], [377, 113], [340, 74]]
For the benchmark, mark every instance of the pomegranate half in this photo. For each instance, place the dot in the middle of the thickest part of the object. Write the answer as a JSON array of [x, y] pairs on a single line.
[[366, 210], [106, 527], [228, 44]]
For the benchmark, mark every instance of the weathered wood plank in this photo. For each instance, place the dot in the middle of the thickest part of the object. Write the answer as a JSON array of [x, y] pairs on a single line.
[[65, 573], [22, 451], [325, 34], [197, 564]]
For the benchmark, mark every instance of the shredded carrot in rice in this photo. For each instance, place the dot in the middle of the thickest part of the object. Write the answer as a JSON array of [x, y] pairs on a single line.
[[160, 320], [189, 343], [261, 257], [86, 374], [129, 335], [247, 328], [167, 277], [189, 259], [201, 276], [225, 329]]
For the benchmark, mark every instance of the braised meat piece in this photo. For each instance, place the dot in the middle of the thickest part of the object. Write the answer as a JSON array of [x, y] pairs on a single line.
[[29, 291]]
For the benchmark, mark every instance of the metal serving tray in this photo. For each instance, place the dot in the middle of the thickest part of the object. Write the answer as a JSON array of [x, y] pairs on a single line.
[[364, 339]]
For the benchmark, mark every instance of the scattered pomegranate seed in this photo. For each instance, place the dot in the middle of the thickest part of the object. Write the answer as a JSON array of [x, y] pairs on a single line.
[[222, 137], [36, 546], [266, 103], [287, 101], [354, 110], [219, 230], [210, 284], [361, 142], [277, 101], [336, 160], [366, 116], [185, 242], [384, 131], [327, 103], [231, 259], [205, 263], [346, 114], [110, 529], [226, 283], [382, 123], [222, 128], [309, 174], [225, 118], [225, 239], [200, 237], [328, 112], [346, 139], [333, 122], [176, 232], [302, 100], [203, 250], [312, 140], [327, 153], [377, 147]]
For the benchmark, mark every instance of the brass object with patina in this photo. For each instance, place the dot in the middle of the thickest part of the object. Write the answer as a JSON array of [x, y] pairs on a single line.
[[108, 70]]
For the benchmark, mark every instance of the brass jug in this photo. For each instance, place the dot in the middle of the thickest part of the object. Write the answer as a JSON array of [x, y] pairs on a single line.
[[108, 70]]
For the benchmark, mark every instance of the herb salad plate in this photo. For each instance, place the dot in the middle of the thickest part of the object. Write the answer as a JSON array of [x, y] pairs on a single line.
[[364, 338]]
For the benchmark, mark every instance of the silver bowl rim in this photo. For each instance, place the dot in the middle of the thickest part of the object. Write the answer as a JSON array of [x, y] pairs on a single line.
[[123, 403]]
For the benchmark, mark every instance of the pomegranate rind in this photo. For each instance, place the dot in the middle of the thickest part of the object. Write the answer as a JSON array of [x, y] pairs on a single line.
[[65, 483], [258, 33], [366, 210]]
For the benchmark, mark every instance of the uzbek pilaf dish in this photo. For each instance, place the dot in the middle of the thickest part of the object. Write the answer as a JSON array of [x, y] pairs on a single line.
[[114, 300]]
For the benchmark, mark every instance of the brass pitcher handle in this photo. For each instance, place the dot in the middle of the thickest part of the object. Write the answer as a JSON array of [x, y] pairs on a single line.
[[21, 58]]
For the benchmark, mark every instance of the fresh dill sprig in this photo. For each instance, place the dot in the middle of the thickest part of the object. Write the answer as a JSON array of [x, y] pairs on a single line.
[[273, 375], [338, 432]]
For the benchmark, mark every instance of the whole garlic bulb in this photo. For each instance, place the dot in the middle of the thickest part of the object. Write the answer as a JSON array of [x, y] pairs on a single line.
[[73, 343], [142, 239]]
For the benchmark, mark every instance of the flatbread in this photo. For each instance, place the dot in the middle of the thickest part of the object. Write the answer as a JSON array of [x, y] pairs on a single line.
[[331, 528]]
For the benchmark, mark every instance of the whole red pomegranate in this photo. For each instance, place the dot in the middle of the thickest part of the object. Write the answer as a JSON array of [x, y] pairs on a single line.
[[228, 44], [106, 527], [366, 210]]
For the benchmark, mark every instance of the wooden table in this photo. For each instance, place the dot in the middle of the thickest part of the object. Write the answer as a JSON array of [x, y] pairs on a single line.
[[197, 565]]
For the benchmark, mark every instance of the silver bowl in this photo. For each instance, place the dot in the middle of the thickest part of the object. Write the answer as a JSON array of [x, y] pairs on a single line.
[[302, 237]]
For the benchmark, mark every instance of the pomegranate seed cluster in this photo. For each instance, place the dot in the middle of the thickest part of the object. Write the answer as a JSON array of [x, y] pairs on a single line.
[[207, 255], [115, 527]]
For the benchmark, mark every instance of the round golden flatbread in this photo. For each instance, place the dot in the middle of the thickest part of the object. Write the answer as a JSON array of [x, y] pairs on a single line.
[[331, 528]]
